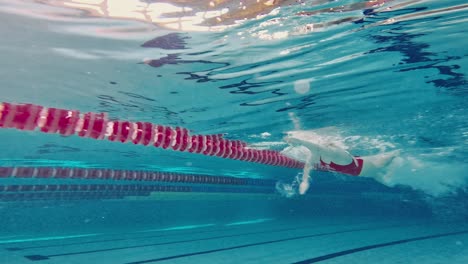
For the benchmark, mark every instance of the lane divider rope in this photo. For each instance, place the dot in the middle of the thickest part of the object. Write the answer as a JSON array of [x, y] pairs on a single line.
[[98, 126], [85, 188], [126, 175], [10, 193]]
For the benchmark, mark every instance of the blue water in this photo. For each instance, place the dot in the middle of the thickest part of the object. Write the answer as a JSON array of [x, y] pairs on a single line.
[[368, 77]]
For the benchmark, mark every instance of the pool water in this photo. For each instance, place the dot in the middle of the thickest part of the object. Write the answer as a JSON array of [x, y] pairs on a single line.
[[367, 78]]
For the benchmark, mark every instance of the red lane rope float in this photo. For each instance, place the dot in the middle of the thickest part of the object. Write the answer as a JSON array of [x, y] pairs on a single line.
[[98, 126], [128, 175]]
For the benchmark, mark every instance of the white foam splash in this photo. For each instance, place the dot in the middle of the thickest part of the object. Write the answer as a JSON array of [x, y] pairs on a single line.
[[433, 178], [288, 190]]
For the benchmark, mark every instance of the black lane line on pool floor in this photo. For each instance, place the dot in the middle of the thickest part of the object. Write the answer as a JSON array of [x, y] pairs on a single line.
[[156, 236], [170, 235], [44, 257], [249, 245], [181, 234], [128, 238], [387, 244], [271, 224]]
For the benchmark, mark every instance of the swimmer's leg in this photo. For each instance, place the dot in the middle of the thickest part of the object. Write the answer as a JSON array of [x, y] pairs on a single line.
[[377, 166]]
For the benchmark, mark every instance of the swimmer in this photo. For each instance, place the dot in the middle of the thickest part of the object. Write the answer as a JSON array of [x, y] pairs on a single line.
[[330, 157]]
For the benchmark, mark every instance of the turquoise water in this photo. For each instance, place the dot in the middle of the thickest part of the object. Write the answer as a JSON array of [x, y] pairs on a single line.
[[366, 77]]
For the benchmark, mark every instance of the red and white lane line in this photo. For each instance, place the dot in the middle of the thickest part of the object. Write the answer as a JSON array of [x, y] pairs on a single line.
[[98, 126]]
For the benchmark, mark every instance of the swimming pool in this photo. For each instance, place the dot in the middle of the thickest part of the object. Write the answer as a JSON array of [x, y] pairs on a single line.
[[178, 131]]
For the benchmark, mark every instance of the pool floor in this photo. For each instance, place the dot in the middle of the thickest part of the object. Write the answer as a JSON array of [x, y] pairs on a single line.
[[320, 240]]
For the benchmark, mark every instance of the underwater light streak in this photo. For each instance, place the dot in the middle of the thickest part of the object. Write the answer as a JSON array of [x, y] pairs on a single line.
[[186, 227], [250, 222], [4, 237], [177, 228], [45, 238]]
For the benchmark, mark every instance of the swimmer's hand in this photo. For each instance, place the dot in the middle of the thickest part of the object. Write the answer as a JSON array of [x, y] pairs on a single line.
[[303, 187]]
